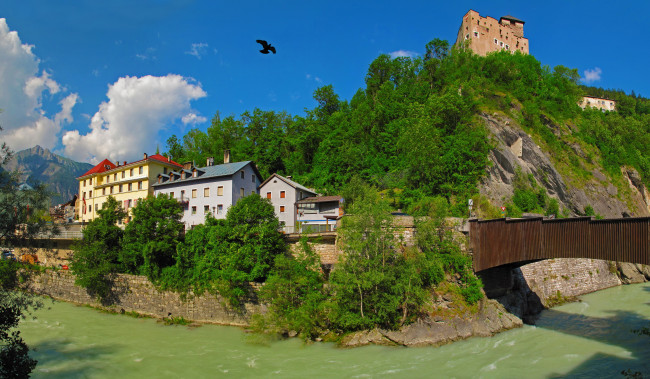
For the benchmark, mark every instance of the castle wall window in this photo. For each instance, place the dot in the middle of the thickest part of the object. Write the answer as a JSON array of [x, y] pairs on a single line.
[[476, 34]]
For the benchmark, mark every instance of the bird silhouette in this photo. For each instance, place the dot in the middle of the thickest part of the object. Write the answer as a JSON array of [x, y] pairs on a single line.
[[266, 47]]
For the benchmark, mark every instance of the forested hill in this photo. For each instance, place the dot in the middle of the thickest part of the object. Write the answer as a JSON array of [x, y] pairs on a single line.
[[433, 126]]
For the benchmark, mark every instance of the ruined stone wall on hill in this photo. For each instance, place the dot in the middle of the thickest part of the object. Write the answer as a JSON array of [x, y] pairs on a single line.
[[138, 294]]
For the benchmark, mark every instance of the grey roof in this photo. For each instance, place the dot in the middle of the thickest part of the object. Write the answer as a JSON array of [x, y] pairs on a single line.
[[319, 199], [509, 17], [226, 169], [289, 182]]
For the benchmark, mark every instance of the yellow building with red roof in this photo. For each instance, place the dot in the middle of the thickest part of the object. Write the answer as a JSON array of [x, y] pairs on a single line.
[[127, 183]]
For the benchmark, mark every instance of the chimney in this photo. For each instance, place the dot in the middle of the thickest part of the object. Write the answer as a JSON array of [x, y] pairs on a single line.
[[289, 177], [209, 162], [169, 158], [226, 156], [187, 165], [124, 163], [145, 155]]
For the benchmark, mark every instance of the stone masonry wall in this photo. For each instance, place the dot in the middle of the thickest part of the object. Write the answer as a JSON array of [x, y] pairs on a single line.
[[569, 277], [136, 293]]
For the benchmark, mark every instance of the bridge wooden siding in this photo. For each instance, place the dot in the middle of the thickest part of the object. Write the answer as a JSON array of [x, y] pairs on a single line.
[[505, 241]]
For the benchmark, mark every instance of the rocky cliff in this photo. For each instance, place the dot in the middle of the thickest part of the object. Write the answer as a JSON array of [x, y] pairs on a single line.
[[575, 181]]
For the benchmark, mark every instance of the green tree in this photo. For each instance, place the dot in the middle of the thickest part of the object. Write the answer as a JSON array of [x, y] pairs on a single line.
[[96, 256], [375, 285], [20, 220], [224, 256], [295, 294], [150, 239]]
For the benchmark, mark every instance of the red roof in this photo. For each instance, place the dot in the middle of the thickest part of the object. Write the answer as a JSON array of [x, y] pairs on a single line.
[[162, 158], [102, 166]]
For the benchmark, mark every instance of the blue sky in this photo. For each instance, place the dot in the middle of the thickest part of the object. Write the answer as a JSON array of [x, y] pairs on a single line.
[[92, 80]]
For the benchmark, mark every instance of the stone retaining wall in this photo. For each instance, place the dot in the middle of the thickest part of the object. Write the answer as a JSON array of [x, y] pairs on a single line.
[[136, 293], [569, 277]]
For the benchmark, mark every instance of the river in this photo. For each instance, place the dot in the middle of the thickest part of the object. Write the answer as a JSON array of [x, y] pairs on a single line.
[[591, 339]]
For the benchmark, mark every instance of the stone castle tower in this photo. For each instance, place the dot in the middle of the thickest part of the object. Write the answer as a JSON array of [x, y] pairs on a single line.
[[485, 34]]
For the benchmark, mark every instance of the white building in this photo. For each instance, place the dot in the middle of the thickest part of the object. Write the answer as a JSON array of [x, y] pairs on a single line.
[[284, 193], [209, 190]]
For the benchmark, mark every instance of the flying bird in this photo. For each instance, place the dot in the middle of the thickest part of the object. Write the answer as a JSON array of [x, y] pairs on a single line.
[[266, 47]]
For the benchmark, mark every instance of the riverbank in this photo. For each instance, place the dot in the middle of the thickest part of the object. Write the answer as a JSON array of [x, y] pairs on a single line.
[[533, 288]]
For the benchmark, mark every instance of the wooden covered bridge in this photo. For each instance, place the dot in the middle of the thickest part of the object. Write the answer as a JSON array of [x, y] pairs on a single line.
[[501, 242]]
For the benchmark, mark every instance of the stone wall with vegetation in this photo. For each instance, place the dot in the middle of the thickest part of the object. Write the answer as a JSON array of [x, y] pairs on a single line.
[[137, 294]]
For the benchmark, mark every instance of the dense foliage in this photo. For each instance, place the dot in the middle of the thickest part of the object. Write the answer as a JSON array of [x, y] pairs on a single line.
[[225, 255], [414, 128], [22, 217], [378, 283], [97, 256]]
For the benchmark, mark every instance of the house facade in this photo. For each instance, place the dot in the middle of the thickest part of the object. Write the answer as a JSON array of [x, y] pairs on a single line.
[[284, 193], [484, 35], [208, 190], [319, 213], [127, 183], [598, 103]]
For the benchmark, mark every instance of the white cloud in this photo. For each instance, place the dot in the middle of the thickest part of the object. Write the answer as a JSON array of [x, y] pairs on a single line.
[[403, 53], [592, 75], [316, 78], [128, 123], [23, 118], [66, 109], [148, 54], [198, 50], [193, 118]]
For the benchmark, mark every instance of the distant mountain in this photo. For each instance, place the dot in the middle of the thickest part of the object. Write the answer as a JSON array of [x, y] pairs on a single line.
[[39, 165]]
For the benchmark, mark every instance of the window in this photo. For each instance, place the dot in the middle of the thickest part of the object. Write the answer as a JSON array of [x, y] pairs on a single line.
[[206, 192], [131, 172], [476, 34], [241, 192], [123, 174], [112, 189], [194, 210], [467, 36], [183, 195], [242, 174], [84, 182], [130, 186], [194, 193], [206, 209], [253, 178], [219, 209], [96, 207], [282, 194], [140, 170], [108, 178], [268, 195], [495, 41], [84, 195], [103, 191], [140, 185], [90, 194], [220, 191], [115, 176], [120, 188], [90, 208], [164, 170], [171, 195], [281, 208]]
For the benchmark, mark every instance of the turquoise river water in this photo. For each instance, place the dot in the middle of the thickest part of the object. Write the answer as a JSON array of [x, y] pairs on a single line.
[[590, 339]]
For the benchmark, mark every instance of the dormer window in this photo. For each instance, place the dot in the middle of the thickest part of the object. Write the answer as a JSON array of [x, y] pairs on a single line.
[[182, 174]]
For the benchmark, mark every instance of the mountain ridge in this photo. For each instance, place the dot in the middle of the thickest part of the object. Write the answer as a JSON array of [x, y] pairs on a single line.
[[58, 173]]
